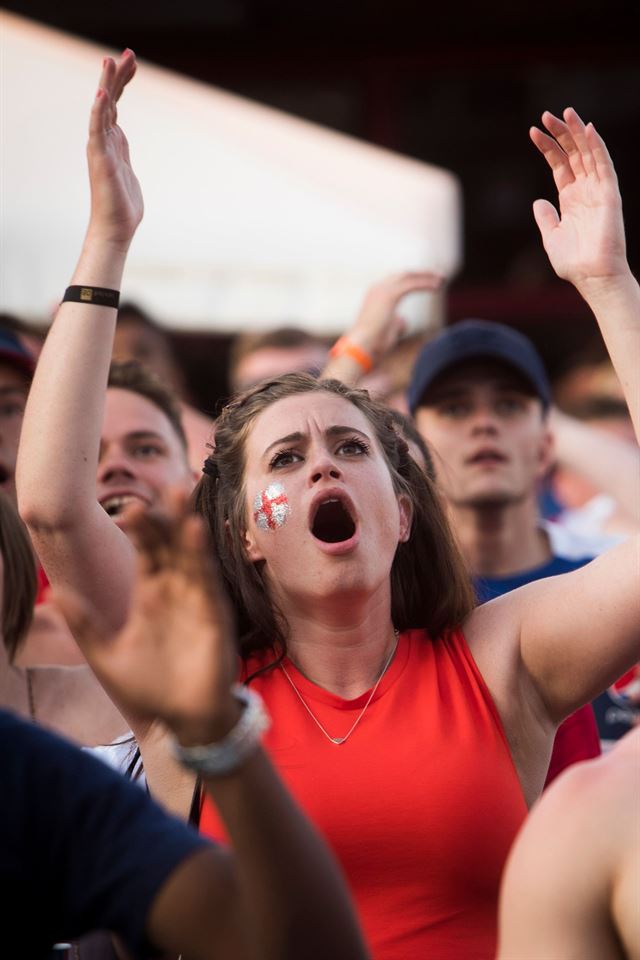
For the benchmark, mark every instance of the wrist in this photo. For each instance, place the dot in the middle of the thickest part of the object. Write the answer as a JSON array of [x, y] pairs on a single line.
[[97, 242], [211, 729], [227, 754], [352, 346], [596, 289]]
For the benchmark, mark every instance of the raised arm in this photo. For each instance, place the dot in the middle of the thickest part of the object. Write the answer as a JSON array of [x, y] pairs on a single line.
[[580, 631], [378, 326], [585, 241], [77, 542], [175, 660]]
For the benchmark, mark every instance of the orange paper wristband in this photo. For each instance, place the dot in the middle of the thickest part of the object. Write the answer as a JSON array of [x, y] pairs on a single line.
[[345, 346]]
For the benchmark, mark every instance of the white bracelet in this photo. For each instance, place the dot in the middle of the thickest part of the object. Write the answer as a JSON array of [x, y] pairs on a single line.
[[225, 756]]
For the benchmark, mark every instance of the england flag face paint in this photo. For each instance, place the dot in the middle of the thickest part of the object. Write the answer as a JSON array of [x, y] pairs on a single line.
[[271, 507]]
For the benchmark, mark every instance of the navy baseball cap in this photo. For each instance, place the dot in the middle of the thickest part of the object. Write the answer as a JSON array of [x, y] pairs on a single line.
[[477, 338], [15, 353]]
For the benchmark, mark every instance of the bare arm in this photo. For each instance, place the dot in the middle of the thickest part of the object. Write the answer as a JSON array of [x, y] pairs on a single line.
[[571, 885], [76, 541], [378, 327], [279, 895], [578, 632]]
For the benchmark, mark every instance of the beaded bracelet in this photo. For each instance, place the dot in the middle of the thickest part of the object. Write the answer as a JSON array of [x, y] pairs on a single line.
[[225, 756]]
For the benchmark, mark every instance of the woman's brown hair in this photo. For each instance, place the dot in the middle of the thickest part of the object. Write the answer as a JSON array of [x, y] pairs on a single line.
[[430, 585], [19, 580]]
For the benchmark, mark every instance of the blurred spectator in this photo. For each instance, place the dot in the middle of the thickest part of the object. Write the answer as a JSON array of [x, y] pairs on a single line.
[[256, 356], [16, 369], [67, 700], [138, 337], [593, 492], [31, 336], [480, 397]]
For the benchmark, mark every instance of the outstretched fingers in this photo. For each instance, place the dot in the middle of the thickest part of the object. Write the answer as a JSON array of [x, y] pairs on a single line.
[[555, 156], [564, 136], [605, 169], [577, 129], [124, 72], [113, 79]]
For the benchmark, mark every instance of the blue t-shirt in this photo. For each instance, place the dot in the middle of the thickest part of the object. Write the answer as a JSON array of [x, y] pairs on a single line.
[[487, 588], [614, 716], [81, 848]]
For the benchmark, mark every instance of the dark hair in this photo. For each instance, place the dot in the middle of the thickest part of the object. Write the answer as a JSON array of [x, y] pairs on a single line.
[[410, 432], [130, 312], [133, 376], [430, 586], [19, 580]]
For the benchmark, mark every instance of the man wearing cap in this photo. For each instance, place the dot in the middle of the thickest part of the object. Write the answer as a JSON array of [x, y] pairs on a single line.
[[480, 397]]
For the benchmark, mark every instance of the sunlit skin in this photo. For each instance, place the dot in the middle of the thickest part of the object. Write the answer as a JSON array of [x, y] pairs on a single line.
[[308, 577], [13, 397], [490, 437], [140, 452]]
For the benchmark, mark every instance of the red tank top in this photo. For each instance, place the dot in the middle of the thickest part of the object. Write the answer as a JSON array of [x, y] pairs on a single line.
[[420, 805]]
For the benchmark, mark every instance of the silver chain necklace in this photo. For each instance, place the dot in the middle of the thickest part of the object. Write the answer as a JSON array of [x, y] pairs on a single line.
[[340, 740]]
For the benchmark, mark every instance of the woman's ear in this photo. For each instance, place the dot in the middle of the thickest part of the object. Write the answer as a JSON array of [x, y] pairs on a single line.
[[406, 517], [251, 548]]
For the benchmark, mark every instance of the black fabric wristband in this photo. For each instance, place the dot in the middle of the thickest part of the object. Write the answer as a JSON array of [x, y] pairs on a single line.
[[99, 296]]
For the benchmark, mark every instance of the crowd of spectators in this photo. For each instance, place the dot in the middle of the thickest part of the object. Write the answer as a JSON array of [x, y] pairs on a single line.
[[335, 644]]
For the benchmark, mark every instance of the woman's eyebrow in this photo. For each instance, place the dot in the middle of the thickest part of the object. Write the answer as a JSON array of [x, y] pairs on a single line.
[[290, 438], [340, 431], [335, 431]]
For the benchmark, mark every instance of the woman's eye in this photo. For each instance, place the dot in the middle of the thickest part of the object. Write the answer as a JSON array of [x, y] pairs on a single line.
[[147, 450], [284, 458], [353, 447]]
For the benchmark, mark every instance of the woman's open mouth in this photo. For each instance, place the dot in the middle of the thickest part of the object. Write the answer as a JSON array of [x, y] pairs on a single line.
[[332, 521]]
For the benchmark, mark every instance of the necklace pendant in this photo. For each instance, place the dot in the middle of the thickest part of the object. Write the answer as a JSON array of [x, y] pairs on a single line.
[[337, 740]]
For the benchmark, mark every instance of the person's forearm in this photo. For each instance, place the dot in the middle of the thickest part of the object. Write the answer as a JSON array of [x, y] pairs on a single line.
[[615, 303], [60, 438], [610, 463], [296, 900]]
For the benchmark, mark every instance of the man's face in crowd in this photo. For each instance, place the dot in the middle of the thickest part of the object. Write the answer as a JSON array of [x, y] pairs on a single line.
[[137, 341], [14, 387], [141, 455], [275, 361], [488, 432]]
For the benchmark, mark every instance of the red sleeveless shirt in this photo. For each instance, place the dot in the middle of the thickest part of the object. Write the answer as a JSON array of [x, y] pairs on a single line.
[[420, 805]]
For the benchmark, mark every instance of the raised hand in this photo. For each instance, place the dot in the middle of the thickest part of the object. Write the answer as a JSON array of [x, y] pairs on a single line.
[[379, 326], [585, 242], [116, 198], [174, 659]]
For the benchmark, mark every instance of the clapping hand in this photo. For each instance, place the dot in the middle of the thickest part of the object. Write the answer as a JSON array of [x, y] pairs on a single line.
[[174, 659], [585, 241]]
